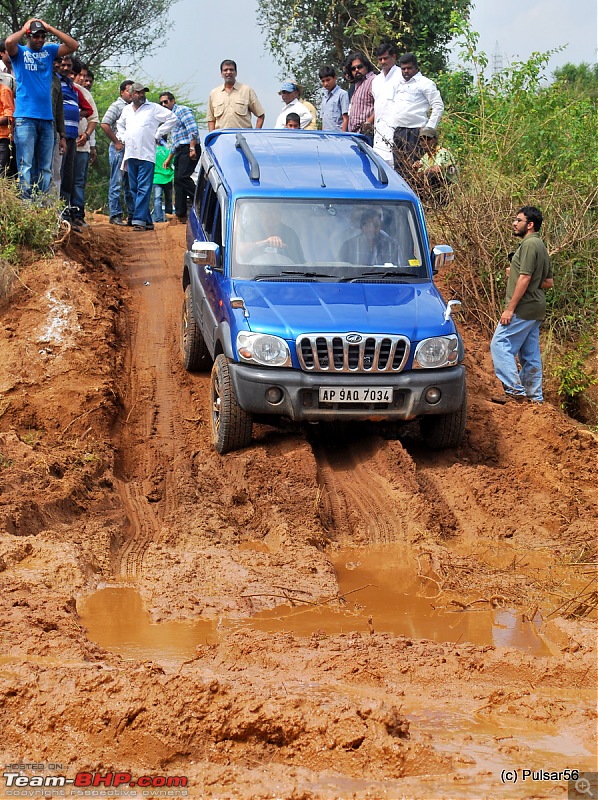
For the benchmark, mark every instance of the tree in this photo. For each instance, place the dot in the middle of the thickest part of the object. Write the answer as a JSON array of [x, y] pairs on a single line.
[[302, 35], [103, 29], [580, 79]]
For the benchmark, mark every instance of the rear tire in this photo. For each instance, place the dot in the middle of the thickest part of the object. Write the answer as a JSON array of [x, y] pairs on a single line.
[[196, 356], [231, 426], [442, 431]]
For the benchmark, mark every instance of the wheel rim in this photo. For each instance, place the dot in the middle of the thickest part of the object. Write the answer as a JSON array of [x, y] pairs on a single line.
[[216, 403], [185, 325]]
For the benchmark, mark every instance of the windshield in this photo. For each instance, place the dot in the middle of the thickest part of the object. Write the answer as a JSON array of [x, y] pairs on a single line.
[[344, 240]]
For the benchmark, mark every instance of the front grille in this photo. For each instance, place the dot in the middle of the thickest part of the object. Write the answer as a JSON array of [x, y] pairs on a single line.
[[329, 352]]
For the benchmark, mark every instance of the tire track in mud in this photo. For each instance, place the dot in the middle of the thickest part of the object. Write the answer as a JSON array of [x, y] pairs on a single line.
[[148, 441], [357, 501]]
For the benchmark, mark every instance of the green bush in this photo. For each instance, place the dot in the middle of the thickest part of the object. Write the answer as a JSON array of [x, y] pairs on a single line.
[[23, 227], [569, 368], [521, 142]]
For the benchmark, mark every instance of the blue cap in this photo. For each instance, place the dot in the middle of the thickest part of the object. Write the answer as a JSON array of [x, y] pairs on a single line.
[[288, 86]]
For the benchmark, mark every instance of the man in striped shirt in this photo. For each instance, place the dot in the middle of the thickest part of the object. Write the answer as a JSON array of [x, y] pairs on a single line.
[[361, 108], [75, 106], [185, 149]]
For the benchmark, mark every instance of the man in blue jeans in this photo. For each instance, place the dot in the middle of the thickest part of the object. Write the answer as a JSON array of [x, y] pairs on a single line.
[[517, 335], [33, 120], [118, 178], [140, 125]]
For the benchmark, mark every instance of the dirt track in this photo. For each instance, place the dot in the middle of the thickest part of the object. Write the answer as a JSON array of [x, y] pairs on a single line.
[[107, 477]]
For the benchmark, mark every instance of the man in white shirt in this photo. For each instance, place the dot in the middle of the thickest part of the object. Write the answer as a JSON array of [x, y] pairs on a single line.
[[289, 92], [139, 126], [418, 106], [405, 102], [384, 88]]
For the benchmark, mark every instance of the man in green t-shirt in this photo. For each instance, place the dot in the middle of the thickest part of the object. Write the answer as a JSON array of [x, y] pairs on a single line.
[[517, 335]]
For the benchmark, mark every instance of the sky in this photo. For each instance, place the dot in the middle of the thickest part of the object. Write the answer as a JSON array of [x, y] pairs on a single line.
[[203, 35]]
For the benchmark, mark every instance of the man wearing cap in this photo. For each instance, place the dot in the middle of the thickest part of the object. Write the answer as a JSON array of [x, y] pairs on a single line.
[[232, 104], [289, 93], [116, 151], [436, 170], [34, 125], [139, 126]]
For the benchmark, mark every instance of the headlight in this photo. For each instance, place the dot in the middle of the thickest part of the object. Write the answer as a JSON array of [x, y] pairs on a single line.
[[440, 351], [261, 348]]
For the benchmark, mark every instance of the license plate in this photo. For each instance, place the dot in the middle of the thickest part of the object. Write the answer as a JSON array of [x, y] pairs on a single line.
[[355, 394]]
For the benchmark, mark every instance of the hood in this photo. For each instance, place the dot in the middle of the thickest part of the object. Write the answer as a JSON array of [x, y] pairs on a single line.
[[290, 309]]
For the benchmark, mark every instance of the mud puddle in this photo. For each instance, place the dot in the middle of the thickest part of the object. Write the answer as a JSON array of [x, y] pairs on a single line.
[[117, 620], [377, 593]]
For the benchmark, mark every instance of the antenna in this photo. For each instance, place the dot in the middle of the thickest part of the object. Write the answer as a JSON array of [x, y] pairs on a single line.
[[497, 61]]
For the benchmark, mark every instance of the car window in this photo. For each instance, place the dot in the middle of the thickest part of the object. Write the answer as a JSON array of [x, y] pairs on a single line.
[[339, 239]]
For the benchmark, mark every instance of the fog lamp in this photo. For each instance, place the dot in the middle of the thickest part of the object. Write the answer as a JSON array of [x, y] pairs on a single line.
[[274, 395], [432, 396]]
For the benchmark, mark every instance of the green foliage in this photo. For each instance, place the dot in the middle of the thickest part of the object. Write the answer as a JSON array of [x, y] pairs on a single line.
[[104, 30], [32, 225], [578, 79], [520, 142], [105, 91], [302, 35], [570, 371]]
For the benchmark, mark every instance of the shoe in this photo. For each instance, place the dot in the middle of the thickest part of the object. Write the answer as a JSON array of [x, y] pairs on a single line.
[[503, 399], [129, 223], [150, 226], [139, 228], [81, 223], [116, 221], [182, 220]]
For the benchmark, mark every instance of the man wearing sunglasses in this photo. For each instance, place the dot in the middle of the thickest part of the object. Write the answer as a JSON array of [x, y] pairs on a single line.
[[361, 108], [33, 120]]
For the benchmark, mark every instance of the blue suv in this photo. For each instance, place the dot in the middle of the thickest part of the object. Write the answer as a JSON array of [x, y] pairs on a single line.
[[309, 290]]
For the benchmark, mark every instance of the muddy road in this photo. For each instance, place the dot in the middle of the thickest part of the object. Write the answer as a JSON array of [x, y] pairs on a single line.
[[333, 613]]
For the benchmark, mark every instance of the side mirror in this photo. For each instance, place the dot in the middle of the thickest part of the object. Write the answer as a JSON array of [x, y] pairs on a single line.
[[206, 254], [449, 308], [442, 254]]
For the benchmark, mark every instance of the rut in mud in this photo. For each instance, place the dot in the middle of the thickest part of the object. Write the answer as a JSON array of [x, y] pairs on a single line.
[[107, 476]]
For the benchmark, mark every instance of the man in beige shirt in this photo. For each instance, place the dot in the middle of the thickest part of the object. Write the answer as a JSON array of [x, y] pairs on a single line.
[[231, 105]]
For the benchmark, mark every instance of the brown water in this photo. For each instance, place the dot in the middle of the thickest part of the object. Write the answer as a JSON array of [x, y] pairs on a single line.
[[379, 593], [116, 619]]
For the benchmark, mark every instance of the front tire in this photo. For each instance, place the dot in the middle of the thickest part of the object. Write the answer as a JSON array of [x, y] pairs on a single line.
[[196, 356], [231, 425], [443, 431]]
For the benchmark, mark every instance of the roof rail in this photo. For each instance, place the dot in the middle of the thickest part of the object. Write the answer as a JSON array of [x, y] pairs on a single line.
[[382, 176], [254, 167]]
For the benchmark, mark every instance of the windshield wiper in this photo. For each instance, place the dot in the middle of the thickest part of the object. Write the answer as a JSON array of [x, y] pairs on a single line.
[[393, 274], [306, 274]]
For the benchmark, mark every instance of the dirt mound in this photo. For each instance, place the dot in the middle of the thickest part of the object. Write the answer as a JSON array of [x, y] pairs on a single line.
[[108, 477]]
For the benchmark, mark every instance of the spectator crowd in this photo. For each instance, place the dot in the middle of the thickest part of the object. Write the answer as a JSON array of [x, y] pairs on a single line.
[[49, 121]]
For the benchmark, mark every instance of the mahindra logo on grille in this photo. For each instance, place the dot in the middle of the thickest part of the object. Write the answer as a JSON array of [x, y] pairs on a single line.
[[354, 338]]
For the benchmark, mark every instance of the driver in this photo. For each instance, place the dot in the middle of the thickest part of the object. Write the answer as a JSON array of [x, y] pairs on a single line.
[[272, 236], [372, 246]]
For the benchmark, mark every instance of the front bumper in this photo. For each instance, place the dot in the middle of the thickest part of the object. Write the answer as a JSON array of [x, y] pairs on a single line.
[[300, 393]]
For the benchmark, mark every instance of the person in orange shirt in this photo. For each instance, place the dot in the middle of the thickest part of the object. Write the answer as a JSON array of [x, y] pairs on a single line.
[[7, 110]]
